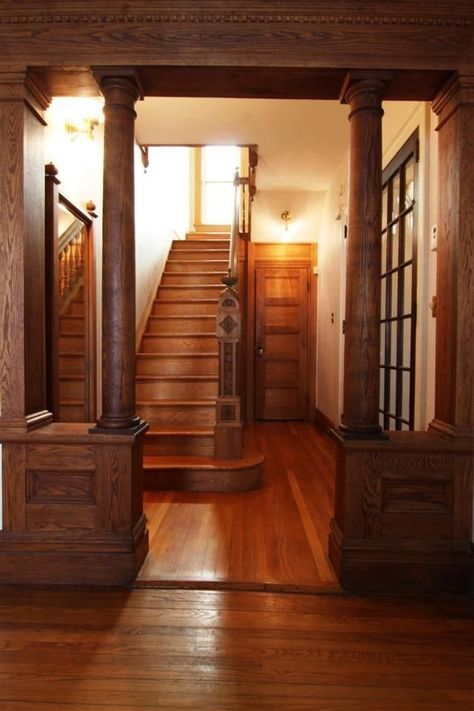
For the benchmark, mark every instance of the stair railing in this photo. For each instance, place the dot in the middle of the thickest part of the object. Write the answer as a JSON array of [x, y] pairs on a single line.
[[228, 430], [69, 267]]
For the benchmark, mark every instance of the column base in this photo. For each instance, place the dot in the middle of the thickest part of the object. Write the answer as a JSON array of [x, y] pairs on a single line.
[[347, 433], [136, 427]]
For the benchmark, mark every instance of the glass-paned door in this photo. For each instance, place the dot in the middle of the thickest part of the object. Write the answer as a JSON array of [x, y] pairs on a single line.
[[398, 288]]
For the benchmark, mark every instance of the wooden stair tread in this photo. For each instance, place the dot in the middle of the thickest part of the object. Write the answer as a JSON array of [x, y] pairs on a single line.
[[176, 401], [249, 460], [181, 317], [180, 430], [178, 378], [183, 334], [176, 355], [187, 301]]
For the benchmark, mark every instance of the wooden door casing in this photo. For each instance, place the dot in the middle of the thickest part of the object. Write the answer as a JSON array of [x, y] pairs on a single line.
[[281, 342]]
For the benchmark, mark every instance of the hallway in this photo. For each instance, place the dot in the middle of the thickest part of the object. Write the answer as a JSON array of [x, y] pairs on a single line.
[[274, 538]]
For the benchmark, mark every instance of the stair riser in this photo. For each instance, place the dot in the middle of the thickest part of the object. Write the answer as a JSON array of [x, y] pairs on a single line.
[[203, 243], [76, 308], [168, 344], [71, 344], [182, 325], [71, 324], [192, 236], [199, 415], [175, 278], [189, 292], [177, 366], [74, 389], [176, 445], [179, 265], [199, 254], [161, 308], [175, 389], [73, 365]]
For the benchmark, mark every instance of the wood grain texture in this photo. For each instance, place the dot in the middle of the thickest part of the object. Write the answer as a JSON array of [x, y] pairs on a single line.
[[118, 283], [229, 651], [454, 401], [417, 35], [272, 537], [403, 515]]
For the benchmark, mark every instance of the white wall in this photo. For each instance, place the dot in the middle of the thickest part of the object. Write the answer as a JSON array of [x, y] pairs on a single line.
[[305, 208], [331, 282], [162, 213]]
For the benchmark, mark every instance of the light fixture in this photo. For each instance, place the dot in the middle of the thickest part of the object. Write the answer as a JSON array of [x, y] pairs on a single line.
[[79, 116], [286, 217]]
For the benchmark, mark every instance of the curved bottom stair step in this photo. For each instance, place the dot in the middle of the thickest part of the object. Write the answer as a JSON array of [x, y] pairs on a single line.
[[204, 473], [180, 440]]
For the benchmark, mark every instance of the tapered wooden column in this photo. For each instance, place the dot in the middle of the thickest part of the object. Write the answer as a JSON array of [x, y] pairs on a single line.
[[454, 400], [362, 343], [121, 91]]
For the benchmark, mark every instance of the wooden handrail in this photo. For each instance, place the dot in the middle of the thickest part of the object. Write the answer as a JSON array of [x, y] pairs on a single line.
[[234, 231]]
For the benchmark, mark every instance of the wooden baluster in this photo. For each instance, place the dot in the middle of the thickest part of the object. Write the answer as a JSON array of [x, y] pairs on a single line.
[[228, 432]]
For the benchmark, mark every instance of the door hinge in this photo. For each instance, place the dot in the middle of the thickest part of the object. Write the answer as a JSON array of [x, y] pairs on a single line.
[[344, 327]]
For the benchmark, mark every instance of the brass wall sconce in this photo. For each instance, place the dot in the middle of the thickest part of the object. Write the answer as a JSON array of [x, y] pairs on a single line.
[[286, 217], [83, 127]]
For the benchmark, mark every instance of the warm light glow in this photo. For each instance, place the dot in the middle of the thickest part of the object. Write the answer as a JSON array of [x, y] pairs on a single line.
[[79, 116]]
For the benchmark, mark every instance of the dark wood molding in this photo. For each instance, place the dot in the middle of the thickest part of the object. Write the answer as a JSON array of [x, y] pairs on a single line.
[[454, 391], [324, 422]]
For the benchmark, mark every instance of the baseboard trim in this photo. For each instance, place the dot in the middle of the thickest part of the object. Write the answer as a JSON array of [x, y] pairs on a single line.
[[324, 422], [395, 566]]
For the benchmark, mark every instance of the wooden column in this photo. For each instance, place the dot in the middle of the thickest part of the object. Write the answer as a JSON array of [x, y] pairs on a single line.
[[362, 343], [454, 397], [121, 90], [23, 402]]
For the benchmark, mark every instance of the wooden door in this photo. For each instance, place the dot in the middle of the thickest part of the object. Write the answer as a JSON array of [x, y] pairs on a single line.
[[281, 342]]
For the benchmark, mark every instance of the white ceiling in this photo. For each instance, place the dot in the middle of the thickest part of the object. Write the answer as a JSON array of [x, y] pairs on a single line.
[[300, 143]]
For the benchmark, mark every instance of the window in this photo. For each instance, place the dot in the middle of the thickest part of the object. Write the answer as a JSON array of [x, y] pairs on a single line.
[[398, 303], [218, 165]]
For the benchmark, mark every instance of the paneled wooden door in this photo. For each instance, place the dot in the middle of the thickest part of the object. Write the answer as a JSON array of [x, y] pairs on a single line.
[[282, 297]]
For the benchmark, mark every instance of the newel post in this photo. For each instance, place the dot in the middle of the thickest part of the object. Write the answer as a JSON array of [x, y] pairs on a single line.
[[228, 433]]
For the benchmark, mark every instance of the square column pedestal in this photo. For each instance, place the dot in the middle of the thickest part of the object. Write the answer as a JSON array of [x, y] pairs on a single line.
[[73, 509], [403, 515]]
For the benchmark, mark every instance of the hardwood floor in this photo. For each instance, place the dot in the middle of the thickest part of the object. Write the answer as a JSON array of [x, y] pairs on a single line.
[[272, 538], [121, 650]]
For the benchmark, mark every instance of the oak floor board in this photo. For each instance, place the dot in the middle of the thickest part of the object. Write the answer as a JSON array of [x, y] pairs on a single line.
[[227, 651], [275, 537]]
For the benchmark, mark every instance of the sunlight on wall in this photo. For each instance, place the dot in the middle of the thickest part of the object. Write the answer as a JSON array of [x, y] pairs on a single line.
[[305, 208]]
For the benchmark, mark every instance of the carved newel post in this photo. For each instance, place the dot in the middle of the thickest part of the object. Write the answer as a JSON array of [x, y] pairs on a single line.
[[362, 342], [118, 286], [228, 434]]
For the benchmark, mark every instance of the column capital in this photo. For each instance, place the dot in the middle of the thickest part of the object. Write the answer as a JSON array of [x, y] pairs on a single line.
[[364, 86], [119, 79]]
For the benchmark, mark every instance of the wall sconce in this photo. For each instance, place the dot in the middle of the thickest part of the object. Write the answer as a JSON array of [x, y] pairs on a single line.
[[286, 217], [81, 127]]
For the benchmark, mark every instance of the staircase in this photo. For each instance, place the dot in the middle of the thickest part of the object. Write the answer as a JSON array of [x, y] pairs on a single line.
[[177, 374], [72, 385]]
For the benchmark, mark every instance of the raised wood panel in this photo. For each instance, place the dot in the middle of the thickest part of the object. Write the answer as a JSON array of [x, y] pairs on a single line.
[[403, 514], [114, 488], [60, 487], [14, 486]]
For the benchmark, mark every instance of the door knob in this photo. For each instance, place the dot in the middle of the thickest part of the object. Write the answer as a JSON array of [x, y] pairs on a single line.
[[259, 350]]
